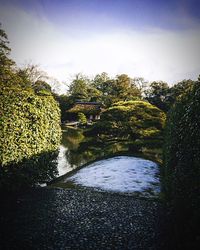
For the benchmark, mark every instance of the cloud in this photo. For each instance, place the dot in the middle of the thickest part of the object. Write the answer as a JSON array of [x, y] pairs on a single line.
[[155, 54]]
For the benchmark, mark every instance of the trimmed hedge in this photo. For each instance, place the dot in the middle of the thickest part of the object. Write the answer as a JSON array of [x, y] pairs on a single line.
[[29, 124], [131, 119], [182, 147], [28, 173], [182, 162]]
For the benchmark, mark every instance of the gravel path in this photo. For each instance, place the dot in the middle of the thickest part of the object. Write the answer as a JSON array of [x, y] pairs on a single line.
[[48, 218]]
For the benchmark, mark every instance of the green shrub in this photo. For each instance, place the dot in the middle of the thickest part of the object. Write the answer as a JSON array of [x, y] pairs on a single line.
[[82, 118], [182, 147], [29, 124], [28, 173], [131, 119], [182, 159]]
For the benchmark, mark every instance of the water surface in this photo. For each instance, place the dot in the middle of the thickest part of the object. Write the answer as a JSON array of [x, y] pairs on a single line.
[[120, 174]]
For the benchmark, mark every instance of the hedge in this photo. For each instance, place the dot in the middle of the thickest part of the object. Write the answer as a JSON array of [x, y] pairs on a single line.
[[29, 124], [182, 147], [182, 161], [28, 173]]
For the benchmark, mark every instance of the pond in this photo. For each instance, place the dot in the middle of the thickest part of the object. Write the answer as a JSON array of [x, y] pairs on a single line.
[[76, 150], [105, 172], [124, 174], [120, 174]]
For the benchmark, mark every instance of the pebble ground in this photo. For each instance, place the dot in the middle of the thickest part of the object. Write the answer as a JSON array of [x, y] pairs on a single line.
[[52, 218]]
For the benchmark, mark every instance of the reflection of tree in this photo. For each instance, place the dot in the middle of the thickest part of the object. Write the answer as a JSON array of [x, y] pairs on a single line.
[[79, 152], [77, 158], [71, 138], [37, 170], [90, 149], [82, 150]]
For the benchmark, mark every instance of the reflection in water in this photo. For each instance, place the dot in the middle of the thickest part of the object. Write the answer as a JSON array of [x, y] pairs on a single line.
[[77, 150], [120, 174], [69, 158], [63, 165]]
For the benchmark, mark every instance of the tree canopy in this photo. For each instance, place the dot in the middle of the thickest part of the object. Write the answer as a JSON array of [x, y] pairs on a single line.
[[158, 94], [130, 119], [7, 73]]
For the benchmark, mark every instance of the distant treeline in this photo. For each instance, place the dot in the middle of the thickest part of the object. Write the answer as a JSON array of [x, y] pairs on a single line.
[[108, 91]]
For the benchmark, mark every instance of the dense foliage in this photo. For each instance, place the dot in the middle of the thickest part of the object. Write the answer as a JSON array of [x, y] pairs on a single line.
[[30, 124], [158, 94], [29, 115], [38, 169], [182, 159], [82, 118], [65, 103], [120, 88], [108, 91], [163, 96], [131, 119], [103, 89]]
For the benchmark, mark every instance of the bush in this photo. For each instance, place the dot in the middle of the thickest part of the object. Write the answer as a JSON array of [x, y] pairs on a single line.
[[28, 173], [29, 124], [182, 159], [131, 119], [82, 118]]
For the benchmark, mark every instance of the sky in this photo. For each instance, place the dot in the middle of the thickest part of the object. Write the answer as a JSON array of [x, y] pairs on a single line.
[[157, 40]]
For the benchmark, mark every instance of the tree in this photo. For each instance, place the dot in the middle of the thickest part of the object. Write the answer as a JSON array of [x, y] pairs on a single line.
[[78, 89], [41, 85], [56, 86], [106, 89], [180, 89], [125, 89], [94, 95], [99, 79], [7, 72], [158, 94], [30, 74], [141, 84], [4, 49], [121, 88], [83, 89], [65, 102]]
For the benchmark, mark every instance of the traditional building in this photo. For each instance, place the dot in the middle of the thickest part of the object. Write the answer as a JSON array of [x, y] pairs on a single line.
[[92, 110]]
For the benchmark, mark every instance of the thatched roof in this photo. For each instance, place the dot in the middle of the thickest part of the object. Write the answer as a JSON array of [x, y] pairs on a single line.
[[92, 108]]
